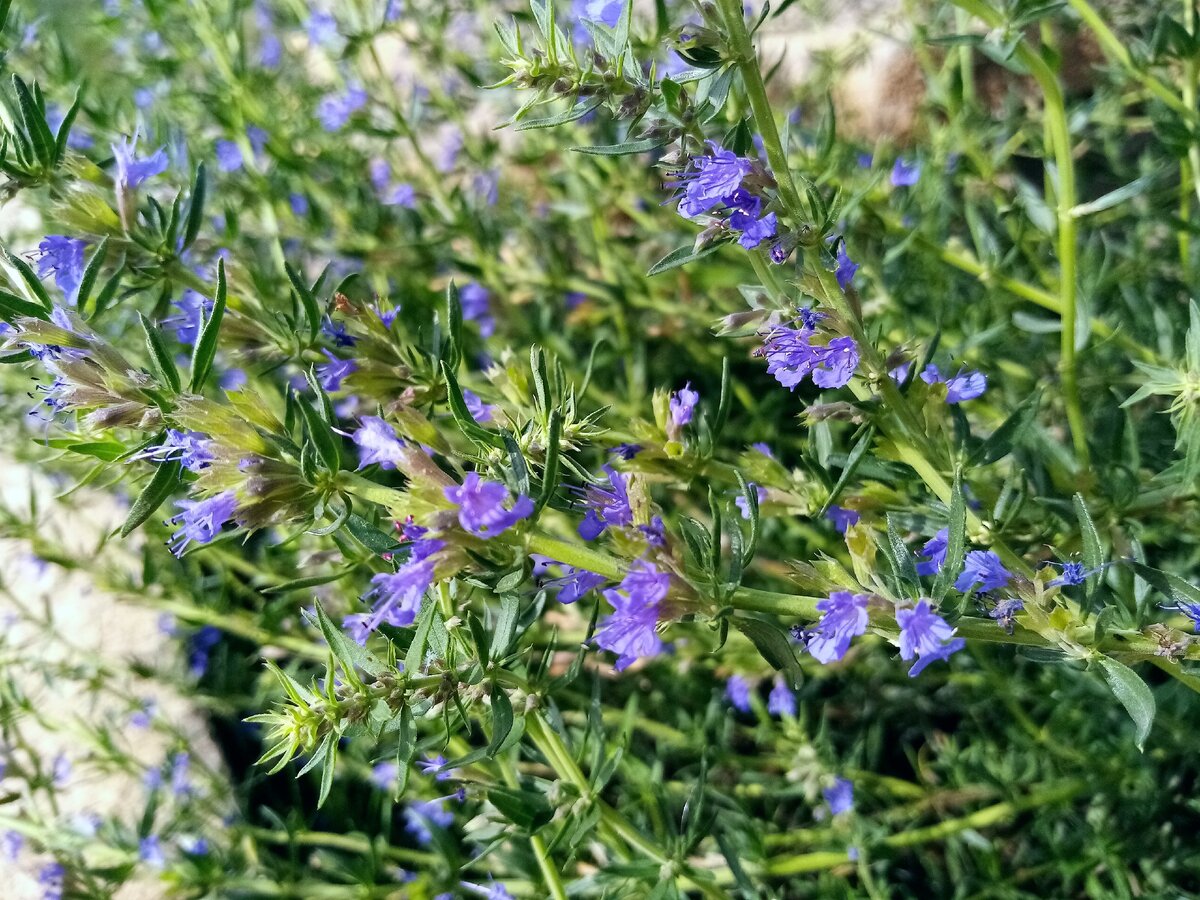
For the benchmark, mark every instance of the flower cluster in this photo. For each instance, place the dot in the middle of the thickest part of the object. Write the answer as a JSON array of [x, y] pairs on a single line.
[[792, 356], [718, 181]]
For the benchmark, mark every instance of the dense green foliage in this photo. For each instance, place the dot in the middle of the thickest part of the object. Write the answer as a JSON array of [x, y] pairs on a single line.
[[339, 237]]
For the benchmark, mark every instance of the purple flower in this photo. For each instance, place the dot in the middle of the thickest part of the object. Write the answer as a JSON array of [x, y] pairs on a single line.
[[846, 267], [606, 506], [626, 451], [842, 518], [51, 878], [358, 626], [682, 405], [401, 194], [384, 774], [192, 845], [419, 815], [982, 570], [335, 110], [322, 28], [191, 448], [481, 506], [201, 520], [791, 357], [60, 770], [200, 644], [1005, 611], [737, 692], [181, 785], [712, 181], [144, 714], [754, 231], [781, 701], [336, 332], [62, 256], [397, 595], [575, 583], [844, 617], [934, 552], [606, 12], [763, 449], [12, 842], [270, 51], [474, 298], [906, 174], [432, 765], [299, 204], [966, 385], [377, 443], [193, 310], [151, 853], [631, 630], [742, 503], [925, 635], [229, 156], [1072, 573], [331, 374], [133, 170], [481, 412], [839, 797]]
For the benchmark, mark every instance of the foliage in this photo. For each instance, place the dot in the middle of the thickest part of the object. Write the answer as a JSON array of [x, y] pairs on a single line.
[[456, 357]]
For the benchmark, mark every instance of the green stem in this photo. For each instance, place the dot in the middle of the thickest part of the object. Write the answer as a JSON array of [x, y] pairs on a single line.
[[1055, 113]]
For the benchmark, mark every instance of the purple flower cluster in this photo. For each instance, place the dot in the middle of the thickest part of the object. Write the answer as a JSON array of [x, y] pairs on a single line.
[[377, 443], [63, 257], [925, 635], [396, 596], [201, 520], [934, 552], [983, 571], [842, 518], [715, 181], [632, 630], [966, 385], [191, 448], [737, 692], [682, 406], [844, 617], [606, 506], [133, 170], [792, 357], [481, 506]]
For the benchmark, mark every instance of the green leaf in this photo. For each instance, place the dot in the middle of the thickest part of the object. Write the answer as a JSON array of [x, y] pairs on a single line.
[[328, 764], [528, 810], [195, 214], [1134, 695], [308, 300], [161, 486], [1093, 550], [774, 645], [502, 719], [406, 749], [324, 439], [374, 539], [91, 273], [462, 416], [751, 496], [64, 128], [109, 451], [506, 625], [344, 650], [415, 658], [852, 462], [31, 281], [454, 327], [625, 149], [1010, 433], [575, 112], [299, 584], [1174, 587], [956, 539], [160, 359], [682, 256], [108, 291], [206, 345], [553, 463], [33, 120], [13, 307]]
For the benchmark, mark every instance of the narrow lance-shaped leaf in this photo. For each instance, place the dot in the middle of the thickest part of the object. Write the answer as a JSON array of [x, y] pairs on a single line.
[[1134, 695], [206, 345], [160, 358]]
